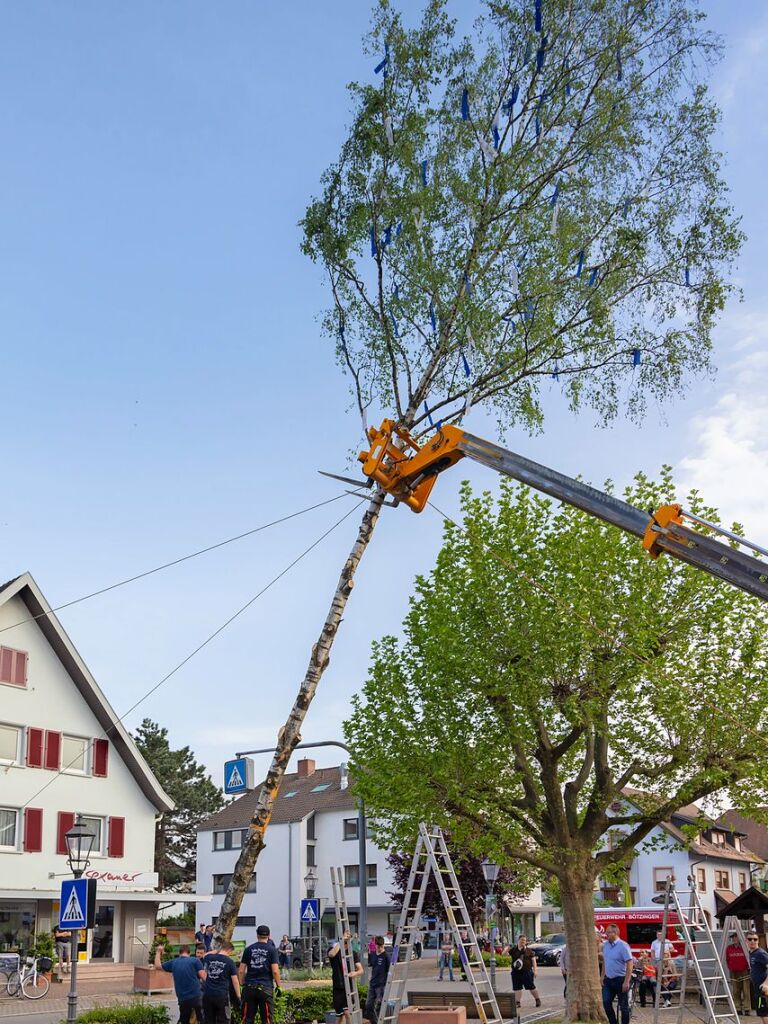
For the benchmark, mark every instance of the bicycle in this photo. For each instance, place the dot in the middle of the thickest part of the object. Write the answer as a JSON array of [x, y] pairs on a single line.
[[30, 982]]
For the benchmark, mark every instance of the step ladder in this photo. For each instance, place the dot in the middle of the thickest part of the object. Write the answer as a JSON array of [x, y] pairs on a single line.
[[431, 857], [347, 957], [702, 953]]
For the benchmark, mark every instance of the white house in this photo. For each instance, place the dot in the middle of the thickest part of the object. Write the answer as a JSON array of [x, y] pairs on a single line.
[[63, 751], [314, 824]]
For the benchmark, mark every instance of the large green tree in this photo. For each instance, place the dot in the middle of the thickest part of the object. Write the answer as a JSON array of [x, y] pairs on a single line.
[[541, 200], [546, 666], [190, 787]]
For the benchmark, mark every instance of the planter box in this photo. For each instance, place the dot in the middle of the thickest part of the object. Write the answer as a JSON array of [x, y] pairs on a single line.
[[433, 1015], [151, 979]]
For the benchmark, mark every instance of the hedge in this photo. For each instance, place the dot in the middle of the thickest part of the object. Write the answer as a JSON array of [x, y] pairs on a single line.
[[138, 1013], [298, 1005]]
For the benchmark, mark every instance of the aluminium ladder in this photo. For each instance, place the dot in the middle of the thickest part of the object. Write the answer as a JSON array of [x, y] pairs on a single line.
[[432, 857], [700, 951], [345, 947]]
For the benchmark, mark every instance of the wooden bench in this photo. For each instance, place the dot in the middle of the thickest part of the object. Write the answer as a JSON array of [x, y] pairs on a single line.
[[417, 997]]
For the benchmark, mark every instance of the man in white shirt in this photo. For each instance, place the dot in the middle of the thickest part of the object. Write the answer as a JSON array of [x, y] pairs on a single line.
[[660, 946]]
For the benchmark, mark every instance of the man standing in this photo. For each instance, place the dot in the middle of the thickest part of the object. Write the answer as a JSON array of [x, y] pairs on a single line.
[[187, 973], [738, 968], [259, 975], [446, 956], [524, 969], [758, 970], [659, 948], [616, 974], [63, 944], [417, 942], [285, 954], [200, 934], [378, 964], [220, 976], [338, 990]]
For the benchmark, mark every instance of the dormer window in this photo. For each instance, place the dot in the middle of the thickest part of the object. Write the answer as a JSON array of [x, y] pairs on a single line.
[[718, 838]]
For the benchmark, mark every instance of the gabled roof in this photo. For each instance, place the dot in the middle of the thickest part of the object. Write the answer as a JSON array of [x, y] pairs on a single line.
[[755, 831], [25, 588], [288, 808]]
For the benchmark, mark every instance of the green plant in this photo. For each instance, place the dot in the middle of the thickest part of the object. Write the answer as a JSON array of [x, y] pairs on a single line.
[[299, 1005], [42, 945], [136, 1013], [162, 943]]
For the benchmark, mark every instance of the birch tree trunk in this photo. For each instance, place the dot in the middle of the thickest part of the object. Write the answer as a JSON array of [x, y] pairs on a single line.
[[290, 734]]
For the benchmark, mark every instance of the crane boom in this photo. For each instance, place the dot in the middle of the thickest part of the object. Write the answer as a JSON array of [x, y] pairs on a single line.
[[408, 471]]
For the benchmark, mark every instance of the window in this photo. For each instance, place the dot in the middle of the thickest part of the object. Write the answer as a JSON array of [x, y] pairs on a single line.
[[13, 666], [320, 788], [311, 827], [242, 922], [310, 856], [218, 840], [352, 875], [737, 843], [221, 884], [372, 873], [287, 796], [350, 828], [96, 825], [10, 744], [722, 879], [641, 934], [74, 754], [232, 839], [701, 879], [718, 838], [9, 828], [742, 881], [660, 876]]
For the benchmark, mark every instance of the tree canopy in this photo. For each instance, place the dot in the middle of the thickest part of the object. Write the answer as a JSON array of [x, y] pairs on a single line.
[[547, 665], [539, 201], [190, 787]]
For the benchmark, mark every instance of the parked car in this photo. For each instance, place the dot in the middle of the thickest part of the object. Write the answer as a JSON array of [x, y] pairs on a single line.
[[547, 949], [301, 951]]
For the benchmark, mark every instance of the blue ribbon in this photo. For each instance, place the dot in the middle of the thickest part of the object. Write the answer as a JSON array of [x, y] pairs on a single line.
[[556, 374], [635, 356], [529, 310], [424, 166], [399, 228], [467, 371], [432, 317], [394, 324], [592, 278], [555, 195], [496, 138], [528, 51], [537, 15], [626, 207], [429, 415], [687, 277], [467, 286], [374, 250], [541, 53], [537, 126], [580, 267], [387, 237], [465, 104], [384, 63], [619, 68]]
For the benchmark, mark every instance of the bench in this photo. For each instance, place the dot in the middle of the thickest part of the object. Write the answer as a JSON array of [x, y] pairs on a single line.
[[418, 997]]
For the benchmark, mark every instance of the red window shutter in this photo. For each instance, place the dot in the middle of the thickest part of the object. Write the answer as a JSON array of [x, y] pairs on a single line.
[[116, 842], [6, 665], [33, 830], [100, 758], [64, 823], [20, 669], [52, 750], [34, 747]]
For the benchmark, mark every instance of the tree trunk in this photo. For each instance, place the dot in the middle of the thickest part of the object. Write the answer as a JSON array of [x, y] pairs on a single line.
[[290, 734], [584, 998]]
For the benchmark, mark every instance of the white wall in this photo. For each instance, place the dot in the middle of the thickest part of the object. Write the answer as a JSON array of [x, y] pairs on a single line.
[[52, 701]]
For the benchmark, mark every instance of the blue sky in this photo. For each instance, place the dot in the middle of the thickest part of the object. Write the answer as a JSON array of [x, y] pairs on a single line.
[[164, 381]]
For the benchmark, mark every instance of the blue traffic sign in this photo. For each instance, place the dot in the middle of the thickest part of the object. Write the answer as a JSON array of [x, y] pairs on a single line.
[[310, 910], [73, 908], [238, 775]]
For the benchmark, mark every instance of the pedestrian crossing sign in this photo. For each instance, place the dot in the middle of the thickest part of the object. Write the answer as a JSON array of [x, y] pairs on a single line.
[[310, 910], [238, 775], [77, 906]]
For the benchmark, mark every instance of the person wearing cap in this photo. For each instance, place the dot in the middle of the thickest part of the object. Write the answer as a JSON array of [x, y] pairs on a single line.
[[259, 976], [378, 964], [738, 968], [758, 971]]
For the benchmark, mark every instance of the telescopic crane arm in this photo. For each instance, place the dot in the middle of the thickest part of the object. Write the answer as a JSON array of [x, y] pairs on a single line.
[[408, 471]]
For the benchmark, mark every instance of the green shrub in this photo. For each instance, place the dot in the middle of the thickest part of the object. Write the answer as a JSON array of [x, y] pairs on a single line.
[[166, 949], [299, 1005], [137, 1013]]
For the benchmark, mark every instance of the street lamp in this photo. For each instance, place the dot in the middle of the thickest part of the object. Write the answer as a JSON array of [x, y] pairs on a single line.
[[490, 874], [79, 845], [310, 882]]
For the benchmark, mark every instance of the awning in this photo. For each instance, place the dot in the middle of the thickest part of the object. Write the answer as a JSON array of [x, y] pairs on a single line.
[[109, 896]]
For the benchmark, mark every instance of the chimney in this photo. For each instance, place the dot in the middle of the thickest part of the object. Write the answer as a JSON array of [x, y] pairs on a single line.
[[343, 775], [306, 767]]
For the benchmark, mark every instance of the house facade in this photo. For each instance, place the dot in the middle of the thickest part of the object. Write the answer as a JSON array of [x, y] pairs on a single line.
[[63, 751], [314, 826]]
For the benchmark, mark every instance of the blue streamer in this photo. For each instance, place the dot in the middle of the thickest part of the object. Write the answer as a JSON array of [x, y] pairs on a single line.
[[528, 51], [592, 278], [567, 70], [467, 286], [687, 277], [538, 126], [429, 415], [387, 237], [580, 267], [397, 292], [537, 15], [619, 68], [465, 104], [394, 324], [529, 310], [626, 207], [467, 371], [555, 195], [399, 228], [515, 92], [432, 317], [556, 374], [541, 53], [374, 250], [424, 166], [635, 356], [496, 138], [383, 64]]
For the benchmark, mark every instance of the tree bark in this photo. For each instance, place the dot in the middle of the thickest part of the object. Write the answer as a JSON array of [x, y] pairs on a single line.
[[584, 999], [290, 734]]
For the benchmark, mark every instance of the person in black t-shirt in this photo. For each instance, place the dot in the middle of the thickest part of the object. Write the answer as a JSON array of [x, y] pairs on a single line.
[[261, 975], [220, 978], [338, 990], [378, 963], [758, 970]]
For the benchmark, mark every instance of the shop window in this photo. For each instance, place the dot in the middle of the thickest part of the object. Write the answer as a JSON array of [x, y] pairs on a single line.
[[10, 744], [9, 828], [17, 925], [74, 754]]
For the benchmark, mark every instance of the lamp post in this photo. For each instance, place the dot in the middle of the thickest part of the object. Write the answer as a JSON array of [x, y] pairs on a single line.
[[79, 845], [310, 881], [491, 873]]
